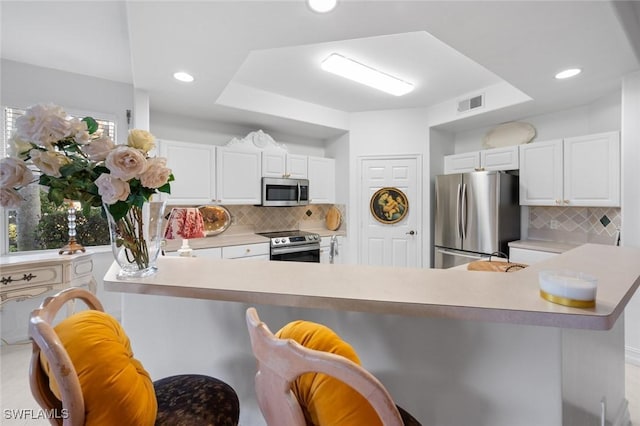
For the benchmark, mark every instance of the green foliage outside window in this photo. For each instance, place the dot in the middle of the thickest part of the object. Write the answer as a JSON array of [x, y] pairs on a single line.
[[52, 229]]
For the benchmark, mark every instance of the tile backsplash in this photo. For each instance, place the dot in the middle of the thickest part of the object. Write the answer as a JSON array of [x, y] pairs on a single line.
[[267, 219], [250, 218], [575, 224]]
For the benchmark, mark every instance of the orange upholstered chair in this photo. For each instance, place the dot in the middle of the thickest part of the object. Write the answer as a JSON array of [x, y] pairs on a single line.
[[307, 375], [83, 372]]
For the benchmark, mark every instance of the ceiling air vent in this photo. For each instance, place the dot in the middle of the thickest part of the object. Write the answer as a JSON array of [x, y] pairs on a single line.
[[471, 103]]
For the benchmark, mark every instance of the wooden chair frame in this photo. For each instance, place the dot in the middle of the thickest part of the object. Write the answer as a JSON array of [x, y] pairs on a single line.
[[281, 361], [46, 340]]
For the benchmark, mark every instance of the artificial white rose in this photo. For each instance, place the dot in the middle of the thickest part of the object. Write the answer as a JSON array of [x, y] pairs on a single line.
[[112, 189], [10, 198], [49, 162], [157, 173], [19, 148], [98, 149], [79, 130], [14, 173], [141, 139], [43, 125], [126, 163]]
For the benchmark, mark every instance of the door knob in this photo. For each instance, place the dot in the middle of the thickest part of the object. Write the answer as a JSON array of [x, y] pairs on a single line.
[[411, 233]]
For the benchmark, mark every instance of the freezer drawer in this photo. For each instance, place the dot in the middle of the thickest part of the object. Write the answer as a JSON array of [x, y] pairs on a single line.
[[448, 258]]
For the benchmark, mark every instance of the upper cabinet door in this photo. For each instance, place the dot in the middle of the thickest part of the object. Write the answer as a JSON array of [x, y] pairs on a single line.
[[193, 166], [274, 163], [592, 170], [322, 180], [500, 158], [462, 163], [297, 166], [238, 172], [279, 164], [541, 173]]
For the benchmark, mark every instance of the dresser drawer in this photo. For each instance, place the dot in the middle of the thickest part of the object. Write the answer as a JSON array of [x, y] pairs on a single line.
[[30, 276]]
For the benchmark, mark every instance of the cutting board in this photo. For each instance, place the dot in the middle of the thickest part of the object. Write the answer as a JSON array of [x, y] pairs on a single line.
[[334, 218]]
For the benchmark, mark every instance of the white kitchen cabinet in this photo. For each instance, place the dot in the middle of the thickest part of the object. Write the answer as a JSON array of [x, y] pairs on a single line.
[[489, 159], [280, 164], [462, 163], [322, 180], [592, 170], [528, 257], [577, 171], [500, 158], [259, 251], [325, 246], [541, 173], [238, 174], [193, 166]]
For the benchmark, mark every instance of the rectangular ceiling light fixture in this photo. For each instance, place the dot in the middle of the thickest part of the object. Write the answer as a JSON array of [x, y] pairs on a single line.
[[348, 68]]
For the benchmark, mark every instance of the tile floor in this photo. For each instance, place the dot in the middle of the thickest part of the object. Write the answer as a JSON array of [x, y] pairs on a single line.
[[15, 393]]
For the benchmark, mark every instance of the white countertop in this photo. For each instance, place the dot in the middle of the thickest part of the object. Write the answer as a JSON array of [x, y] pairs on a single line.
[[550, 246], [485, 296]]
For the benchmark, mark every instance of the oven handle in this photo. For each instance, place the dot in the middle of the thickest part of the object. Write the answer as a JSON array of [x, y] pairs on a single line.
[[295, 249]]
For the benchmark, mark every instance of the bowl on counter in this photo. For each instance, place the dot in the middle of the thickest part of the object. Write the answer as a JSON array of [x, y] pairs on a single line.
[[568, 288]]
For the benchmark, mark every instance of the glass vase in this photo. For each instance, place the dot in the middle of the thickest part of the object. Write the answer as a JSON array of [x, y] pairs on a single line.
[[136, 239]]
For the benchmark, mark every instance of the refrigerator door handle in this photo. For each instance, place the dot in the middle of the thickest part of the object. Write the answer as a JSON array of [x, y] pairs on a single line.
[[457, 253], [458, 219], [463, 211]]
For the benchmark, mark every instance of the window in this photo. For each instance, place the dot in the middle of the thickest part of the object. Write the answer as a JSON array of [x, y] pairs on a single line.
[[38, 224]]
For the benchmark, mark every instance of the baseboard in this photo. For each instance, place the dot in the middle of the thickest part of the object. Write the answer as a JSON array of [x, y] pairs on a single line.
[[632, 355], [623, 417]]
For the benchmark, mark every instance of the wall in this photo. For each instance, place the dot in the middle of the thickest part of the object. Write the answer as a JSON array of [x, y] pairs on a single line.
[[189, 129], [600, 116], [631, 197], [24, 85], [441, 143], [389, 132]]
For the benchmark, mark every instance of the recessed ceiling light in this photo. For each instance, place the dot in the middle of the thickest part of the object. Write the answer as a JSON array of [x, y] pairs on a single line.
[[568, 73], [322, 6], [353, 70], [183, 76]]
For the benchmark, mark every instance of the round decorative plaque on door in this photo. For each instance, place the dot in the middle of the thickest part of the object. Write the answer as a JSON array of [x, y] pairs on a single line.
[[389, 205]]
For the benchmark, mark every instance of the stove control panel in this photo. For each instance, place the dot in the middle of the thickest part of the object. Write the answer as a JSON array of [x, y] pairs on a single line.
[[295, 240]]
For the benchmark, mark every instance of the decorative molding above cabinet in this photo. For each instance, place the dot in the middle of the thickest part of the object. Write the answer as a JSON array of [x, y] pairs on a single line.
[[488, 159], [574, 171]]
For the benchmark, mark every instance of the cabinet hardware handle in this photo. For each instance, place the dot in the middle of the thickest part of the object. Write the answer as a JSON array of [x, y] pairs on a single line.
[[411, 232]]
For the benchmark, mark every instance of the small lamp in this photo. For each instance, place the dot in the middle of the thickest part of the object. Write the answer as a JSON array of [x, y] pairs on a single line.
[[185, 223], [72, 246]]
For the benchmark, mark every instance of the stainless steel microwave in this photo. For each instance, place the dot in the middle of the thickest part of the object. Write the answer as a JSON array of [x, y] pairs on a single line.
[[278, 192]]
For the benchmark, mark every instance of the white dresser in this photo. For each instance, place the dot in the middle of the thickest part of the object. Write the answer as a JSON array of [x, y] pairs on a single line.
[[29, 275]]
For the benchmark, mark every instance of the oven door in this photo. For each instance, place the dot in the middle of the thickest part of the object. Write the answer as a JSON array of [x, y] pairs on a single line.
[[303, 253]]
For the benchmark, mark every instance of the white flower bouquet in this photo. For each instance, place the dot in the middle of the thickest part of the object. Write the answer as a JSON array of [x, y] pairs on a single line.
[[74, 161]]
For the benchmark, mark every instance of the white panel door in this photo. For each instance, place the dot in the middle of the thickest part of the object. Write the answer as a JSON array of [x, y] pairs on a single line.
[[396, 244]]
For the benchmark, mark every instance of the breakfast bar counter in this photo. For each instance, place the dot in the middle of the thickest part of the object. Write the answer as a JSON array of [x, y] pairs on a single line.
[[453, 347], [512, 297]]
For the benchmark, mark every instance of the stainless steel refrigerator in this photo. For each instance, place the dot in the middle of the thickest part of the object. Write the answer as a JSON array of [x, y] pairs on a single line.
[[476, 215]]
